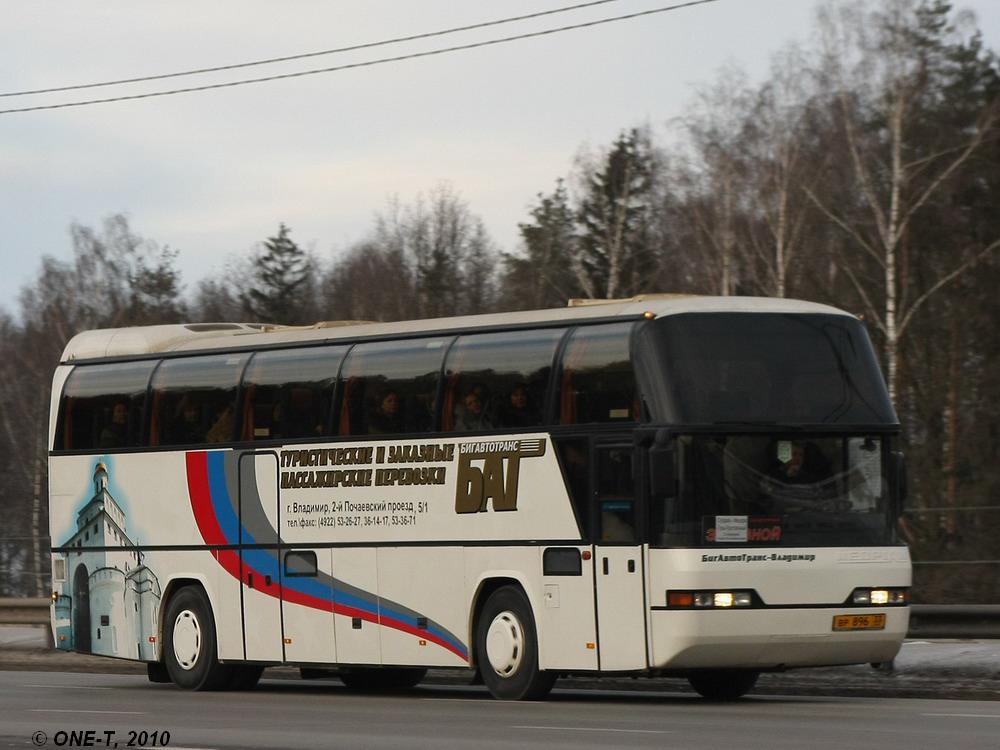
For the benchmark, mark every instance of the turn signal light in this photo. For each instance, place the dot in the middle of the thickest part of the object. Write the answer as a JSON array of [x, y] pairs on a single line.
[[679, 599]]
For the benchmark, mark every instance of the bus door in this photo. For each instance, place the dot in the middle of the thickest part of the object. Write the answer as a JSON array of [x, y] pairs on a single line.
[[619, 563], [260, 573]]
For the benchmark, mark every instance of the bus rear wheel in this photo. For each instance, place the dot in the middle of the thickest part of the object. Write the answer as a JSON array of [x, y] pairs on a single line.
[[189, 643], [373, 679], [507, 648], [723, 684]]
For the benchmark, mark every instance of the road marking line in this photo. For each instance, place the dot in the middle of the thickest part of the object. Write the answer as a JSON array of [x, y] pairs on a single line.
[[486, 700], [968, 716], [595, 729], [74, 687], [81, 711]]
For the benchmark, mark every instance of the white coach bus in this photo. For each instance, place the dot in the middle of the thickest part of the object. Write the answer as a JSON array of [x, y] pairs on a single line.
[[667, 485]]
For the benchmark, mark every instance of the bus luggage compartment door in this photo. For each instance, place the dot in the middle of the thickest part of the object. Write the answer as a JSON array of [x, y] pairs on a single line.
[[621, 613], [356, 624], [260, 572]]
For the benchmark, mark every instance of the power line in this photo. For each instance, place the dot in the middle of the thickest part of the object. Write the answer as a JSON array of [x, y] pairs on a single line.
[[365, 64], [304, 55]]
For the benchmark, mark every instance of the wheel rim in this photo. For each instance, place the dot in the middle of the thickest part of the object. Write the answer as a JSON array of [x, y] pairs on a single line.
[[187, 639], [505, 644]]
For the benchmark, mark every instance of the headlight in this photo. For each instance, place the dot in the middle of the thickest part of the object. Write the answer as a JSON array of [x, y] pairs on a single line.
[[880, 597]]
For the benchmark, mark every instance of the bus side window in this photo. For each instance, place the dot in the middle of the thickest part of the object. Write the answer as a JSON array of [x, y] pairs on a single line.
[[102, 407], [615, 495], [194, 400], [289, 393], [390, 387], [596, 383], [574, 458], [498, 380]]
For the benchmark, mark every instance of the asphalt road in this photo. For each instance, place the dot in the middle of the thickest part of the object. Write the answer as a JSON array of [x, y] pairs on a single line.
[[323, 714]]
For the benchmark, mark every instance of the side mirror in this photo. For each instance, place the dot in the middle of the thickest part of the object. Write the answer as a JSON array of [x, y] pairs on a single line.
[[662, 466], [897, 464]]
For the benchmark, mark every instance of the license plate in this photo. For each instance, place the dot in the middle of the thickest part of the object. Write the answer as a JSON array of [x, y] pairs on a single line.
[[859, 622]]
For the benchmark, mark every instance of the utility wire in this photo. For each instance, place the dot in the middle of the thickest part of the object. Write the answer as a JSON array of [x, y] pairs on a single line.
[[304, 55], [365, 64]]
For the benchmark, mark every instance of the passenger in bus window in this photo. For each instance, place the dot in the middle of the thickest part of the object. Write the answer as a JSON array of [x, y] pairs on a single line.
[[221, 430], [518, 411], [471, 415], [115, 433], [277, 428], [801, 465], [187, 427], [386, 418], [800, 474]]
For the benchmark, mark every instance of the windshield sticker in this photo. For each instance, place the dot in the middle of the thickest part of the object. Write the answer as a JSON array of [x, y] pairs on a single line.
[[731, 528], [754, 529]]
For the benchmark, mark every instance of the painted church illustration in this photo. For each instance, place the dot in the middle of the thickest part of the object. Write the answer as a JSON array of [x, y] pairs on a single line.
[[109, 599]]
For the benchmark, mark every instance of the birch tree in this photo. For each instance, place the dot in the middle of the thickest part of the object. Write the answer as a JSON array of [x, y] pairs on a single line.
[[780, 161], [885, 67]]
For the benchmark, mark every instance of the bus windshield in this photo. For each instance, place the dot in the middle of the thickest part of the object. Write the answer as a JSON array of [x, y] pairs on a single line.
[[797, 490], [766, 368]]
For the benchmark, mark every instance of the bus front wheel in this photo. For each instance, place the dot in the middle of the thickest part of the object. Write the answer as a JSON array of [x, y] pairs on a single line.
[[723, 684], [189, 643], [507, 648]]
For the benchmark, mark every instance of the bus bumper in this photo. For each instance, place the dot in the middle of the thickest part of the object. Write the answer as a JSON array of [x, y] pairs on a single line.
[[770, 638]]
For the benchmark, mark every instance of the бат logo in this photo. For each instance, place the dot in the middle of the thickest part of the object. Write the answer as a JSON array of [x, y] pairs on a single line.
[[482, 478]]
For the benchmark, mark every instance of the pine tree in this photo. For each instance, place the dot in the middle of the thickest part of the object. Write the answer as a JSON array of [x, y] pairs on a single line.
[[543, 275], [614, 217], [282, 285]]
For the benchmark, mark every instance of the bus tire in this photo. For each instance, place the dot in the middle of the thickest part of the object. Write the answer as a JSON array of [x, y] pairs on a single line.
[[507, 648], [157, 672], [723, 684], [244, 676], [374, 679], [189, 647]]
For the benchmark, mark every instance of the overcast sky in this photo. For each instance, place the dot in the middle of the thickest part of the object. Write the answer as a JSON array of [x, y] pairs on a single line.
[[213, 173]]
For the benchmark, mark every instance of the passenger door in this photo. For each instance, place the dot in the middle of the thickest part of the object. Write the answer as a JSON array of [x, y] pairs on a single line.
[[619, 570], [260, 573]]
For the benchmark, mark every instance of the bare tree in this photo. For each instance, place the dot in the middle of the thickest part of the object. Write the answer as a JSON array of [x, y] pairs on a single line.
[[780, 162], [884, 67], [444, 248], [714, 178]]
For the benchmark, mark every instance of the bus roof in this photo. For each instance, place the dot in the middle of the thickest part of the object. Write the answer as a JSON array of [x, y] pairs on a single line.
[[147, 340]]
